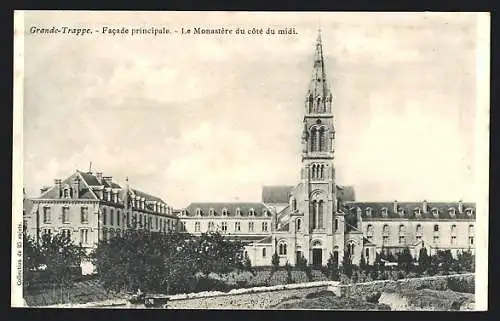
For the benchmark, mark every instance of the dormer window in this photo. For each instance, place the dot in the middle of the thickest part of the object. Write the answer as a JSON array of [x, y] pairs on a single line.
[[452, 211], [435, 212], [238, 211], [368, 212], [417, 211], [211, 212], [198, 212], [115, 197], [469, 211], [224, 212], [264, 212], [251, 212], [384, 212], [66, 193], [401, 211]]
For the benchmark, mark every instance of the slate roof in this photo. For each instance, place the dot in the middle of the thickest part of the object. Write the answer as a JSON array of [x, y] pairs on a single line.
[[83, 193], [408, 210], [279, 194], [218, 208]]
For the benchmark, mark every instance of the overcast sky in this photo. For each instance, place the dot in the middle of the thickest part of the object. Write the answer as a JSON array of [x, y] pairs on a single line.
[[213, 118]]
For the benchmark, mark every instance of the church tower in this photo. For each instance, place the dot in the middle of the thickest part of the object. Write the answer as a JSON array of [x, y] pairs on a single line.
[[318, 172]]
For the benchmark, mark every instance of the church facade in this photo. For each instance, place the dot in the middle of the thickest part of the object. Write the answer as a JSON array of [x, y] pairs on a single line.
[[317, 218]]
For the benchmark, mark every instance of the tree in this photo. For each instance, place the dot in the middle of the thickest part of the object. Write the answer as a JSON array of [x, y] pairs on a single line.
[[333, 268], [32, 259], [405, 260], [62, 259], [362, 263], [275, 261], [247, 264], [466, 261], [347, 264], [423, 260]]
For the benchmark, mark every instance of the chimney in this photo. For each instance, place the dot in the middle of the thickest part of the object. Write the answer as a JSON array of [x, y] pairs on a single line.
[[424, 206], [57, 183], [395, 207], [76, 187], [460, 207], [99, 177]]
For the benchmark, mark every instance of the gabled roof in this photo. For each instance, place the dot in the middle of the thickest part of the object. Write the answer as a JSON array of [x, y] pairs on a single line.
[[83, 193], [276, 194], [409, 210], [231, 208]]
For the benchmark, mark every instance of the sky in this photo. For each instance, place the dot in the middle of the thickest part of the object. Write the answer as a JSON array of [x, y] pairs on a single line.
[[215, 117]]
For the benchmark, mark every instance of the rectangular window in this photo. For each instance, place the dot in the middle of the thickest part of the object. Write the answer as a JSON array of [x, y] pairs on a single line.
[[336, 225], [84, 236], [453, 240], [237, 226], [118, 218], [197, 226], [156, 222], [250, 226], [401, 240], [128, 219], [66, 233], [264, 226], [47, 231], [84, 215], [264, 252], [183, 226], [436, 239], [65, 215], [111, 217], [385, 239], [471, 240], [46, 215], [224, 226]]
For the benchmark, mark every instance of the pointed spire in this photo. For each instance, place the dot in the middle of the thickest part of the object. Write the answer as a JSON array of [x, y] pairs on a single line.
[[318, 87]]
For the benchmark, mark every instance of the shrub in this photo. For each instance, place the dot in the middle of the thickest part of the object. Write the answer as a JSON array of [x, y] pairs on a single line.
[[208, 284], [320, 294], [275, 261], [373, 297], [464, 285]]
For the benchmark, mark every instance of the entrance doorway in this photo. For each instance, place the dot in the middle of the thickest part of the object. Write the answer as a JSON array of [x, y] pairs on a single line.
[[317, 257]]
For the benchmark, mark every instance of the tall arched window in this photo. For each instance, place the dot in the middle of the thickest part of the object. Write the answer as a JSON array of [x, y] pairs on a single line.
[[313, 139], [318, 108], [282, 248], [298, 225], [322, 139], [310, 104], [313, 212], [294, 204], [320, 214]]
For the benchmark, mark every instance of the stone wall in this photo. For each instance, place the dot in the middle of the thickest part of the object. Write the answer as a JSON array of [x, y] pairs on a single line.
[[252, 298], [434, 282]]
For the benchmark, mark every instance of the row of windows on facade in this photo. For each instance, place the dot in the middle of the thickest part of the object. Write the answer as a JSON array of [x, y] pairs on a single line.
[[67, 233], [65, 215], [142, 220], [402, 238], [224, 226], [386, 230], [225, 212], [417, 211]]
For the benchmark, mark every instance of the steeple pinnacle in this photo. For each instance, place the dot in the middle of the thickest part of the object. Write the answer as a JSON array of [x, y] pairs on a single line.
[[318, 87]]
